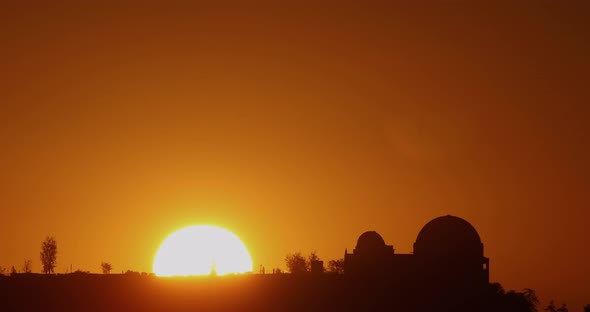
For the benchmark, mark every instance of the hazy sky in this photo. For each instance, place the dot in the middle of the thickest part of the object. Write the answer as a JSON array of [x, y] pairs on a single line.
[[298, 127]]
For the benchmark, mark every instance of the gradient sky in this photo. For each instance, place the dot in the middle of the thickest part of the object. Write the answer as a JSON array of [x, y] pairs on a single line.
[[298, 127]]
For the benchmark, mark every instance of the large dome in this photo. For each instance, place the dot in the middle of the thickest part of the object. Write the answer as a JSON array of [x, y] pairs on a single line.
[[448, 235]]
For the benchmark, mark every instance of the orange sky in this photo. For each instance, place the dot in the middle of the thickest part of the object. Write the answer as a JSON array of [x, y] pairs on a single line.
[[297, 127]]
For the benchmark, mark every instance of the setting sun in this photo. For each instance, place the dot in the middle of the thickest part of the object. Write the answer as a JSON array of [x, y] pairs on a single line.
[[201, 250]]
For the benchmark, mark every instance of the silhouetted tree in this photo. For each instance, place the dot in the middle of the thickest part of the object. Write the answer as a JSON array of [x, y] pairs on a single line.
[[106, 267], [497, 289], [296, 263], [517, 301], [551, 307], [49, 254], [513, 301], [27, 266], [13, 270], [313, 256], [531, 299], [336, 266], [132, 273], [587, 308], [563, 308], [3, 271]]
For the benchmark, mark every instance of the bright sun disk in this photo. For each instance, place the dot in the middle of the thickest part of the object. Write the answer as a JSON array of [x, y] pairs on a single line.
[[201, 250]]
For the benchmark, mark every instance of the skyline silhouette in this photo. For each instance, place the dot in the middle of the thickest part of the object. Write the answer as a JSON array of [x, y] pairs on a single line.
[[446, 272]]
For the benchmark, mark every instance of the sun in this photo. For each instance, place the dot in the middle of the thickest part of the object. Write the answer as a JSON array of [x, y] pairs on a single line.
[[202, 250]]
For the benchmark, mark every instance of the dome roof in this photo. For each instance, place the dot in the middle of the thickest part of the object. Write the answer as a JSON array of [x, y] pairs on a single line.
[[370, 240], [448, 234]]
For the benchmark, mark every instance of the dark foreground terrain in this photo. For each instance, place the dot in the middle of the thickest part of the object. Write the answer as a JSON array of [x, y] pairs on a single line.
[[271, 292]]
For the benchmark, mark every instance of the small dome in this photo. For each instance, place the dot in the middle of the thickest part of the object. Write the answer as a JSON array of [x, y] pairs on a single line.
[[448, 234], [370, 240]]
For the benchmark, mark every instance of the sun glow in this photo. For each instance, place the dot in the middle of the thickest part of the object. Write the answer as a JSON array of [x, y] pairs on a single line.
[[202, 250]]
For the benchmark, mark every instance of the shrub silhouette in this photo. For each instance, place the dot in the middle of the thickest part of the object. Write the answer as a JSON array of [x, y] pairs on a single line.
[[106, 267]]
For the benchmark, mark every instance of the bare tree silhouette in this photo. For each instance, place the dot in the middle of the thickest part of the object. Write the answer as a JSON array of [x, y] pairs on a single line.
[[49, 254], [106, 267], [27, 266]]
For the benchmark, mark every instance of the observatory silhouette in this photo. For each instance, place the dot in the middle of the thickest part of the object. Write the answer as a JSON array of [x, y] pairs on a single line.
[[448, 252]]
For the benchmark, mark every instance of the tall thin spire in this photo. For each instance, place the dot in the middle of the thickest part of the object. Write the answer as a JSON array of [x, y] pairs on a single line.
[[213, 269]]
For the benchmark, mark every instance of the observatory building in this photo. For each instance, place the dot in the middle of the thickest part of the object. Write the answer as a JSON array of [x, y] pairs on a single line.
[[448, 251]]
